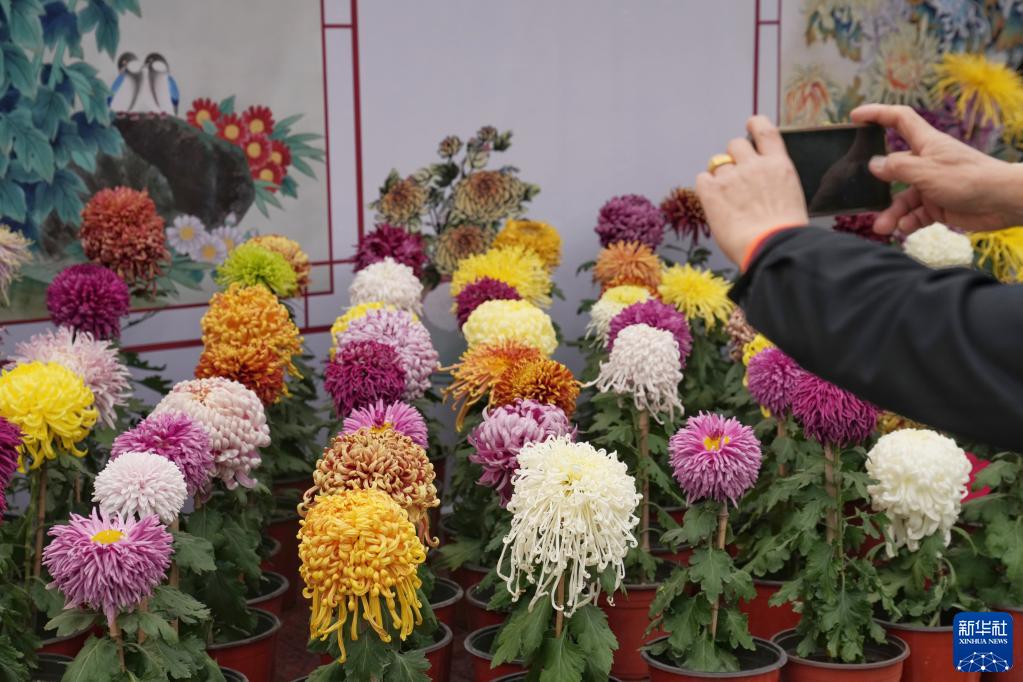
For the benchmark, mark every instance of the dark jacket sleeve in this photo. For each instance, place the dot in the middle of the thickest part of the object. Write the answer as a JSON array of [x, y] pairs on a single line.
[[942, 347]]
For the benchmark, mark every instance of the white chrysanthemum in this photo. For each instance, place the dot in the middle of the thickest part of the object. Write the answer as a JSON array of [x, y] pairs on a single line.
[[388, 281], [183, 236], [645, 365], [210, 249], [939, 247], [612, 302], [921, 480], [230, 235], [573, 513], [233, 418], [95, 361], [140, 484]]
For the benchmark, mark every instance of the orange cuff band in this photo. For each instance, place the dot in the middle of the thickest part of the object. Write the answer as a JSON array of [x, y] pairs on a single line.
[[758, 241]]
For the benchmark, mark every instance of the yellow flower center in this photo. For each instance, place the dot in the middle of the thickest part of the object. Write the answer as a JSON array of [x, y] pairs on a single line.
[[715, 443], [266, 174], [276, 157], [107, 537], [232, 131], [202, 116], [382, 427], [256, 125], [229, 243], [209, 251], [254, 149], [187, 233]]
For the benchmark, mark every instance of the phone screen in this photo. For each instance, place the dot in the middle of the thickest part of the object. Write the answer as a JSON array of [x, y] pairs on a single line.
[[832, 167]]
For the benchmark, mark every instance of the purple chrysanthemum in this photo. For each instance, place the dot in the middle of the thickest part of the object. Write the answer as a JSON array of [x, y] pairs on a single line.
[[630, 218], [89, 298], [400, 416], [715, 458], [394, 242], [174, 436], [410, 339], [363, 372], [504, 431], [107, 563], [771, 375], [829, 414], [658, 315], [482, 290], [10, 439]]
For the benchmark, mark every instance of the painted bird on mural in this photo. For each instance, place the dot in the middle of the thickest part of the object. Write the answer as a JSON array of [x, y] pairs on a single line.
[[129, 82], [162, 95]]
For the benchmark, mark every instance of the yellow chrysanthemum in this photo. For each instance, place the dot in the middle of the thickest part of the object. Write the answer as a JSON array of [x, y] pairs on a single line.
[[354, 313], [292, 252], [50, 404], [516, 266], [613, 301], [1003, 249], [359, 551], [755, 345], [986, 92], [538, 237], [889, 422], [510, 321], [697, 294], [479, 369]]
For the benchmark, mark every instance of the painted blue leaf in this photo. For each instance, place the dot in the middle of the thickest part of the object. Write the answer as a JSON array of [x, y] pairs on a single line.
[[60, 24], [30, 145], [92, 93], [12, 200], [49, 109], [67, 143], [26, 29], [18, 69], [106, 139], [64, 195], [99, 16]]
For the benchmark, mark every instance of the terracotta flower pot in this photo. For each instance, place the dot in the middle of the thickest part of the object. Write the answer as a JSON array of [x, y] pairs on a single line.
[[273, 551], [51, 668], [930, 654], [1016, 673], [476, 600], [468, 575], [234, 676], [270, 596], [884, 662], [628, 620], [283, 527], [478, 645], [765, 620], [69, 645], [255, 656], [764, 664], [444, 598]]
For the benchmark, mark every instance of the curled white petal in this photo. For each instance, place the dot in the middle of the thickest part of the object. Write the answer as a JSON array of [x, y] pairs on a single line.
[[388, 281], [939, 247], [645, 365]]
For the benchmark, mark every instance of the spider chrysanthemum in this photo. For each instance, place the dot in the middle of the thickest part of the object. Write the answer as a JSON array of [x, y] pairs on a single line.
[[771, 376], [387, 282], [644, 366], [409, 338], [178, 438], [986, 92], [613, 301], [137, 484], [658, 315], [252, 265], [520, 321], [937, 246], [479, 369], [632, 263], [516, 266], [684, 212], [1002, 250], [714, 458], [540, 238], [697, 294], [396, 415], [544, 380], [829, 414]]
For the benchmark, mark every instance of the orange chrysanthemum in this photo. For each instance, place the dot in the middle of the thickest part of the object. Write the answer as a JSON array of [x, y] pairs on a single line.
[[292, 252], [122, 230], [632, 263], [258, 368], [541, 379], [539, 237], [479, 369]]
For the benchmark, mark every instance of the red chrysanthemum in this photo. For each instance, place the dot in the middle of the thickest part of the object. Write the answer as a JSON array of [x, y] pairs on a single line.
[[203, 110], [269, 172], [230, 128], [258, 120], [280, 153], [256, 148], [122, 230]]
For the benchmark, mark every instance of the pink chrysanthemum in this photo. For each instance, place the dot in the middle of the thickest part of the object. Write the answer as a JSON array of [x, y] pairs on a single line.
[[10, 441], [141, 484], [95, 361], [504, 431], [771, 376], [363, 372], [107, 563], [409, 338], [630, 218], [715, 458], [659, 316], [387, 241], [177, 437], [831, 415], [399, 416], [482, 290], [89, 298]]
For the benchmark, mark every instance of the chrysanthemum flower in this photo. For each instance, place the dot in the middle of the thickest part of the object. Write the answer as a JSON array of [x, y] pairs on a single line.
[[516, 266], [480, 368], [771, 376], [504, 431], [292, 252], [178, 438], [860, 225], [482, 290], [658, 315], [363, 372], [810, 96], [986, 92], [230, 235], [715, 458], [936, 246], [756, 345], [887, 422], [402, 204], [256, 148], [51, 405], [627, 263], [353, 313], [611, 302], [829, 414], [257, 368], [122, 230], [902, 70], [258, 120], [388, 241], [203, 109], [14, 252], [458, 242], [183, 235], [572, 518], [697, 293], [383, 459], [234, 421], [358, 549], [449, 146], [410, 340], [230, 128], [487, 197], [739, 333], [630, 218], [540, 238], [280, 154], [1003, 249], [645, 366], [921, 478], [543, 380], [388, 282], [107, 563], [10, 442], [209, 249], [397, 415], [685, 214], [253, 265], [138, 484], [510, 321]]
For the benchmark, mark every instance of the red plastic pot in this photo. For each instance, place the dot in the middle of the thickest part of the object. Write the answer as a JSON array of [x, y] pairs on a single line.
[[763, 664], [468, 575], [255, 656], [234, 676], [300, 483], [676, 513], [1016, 673], [521, 677], [444, 598], [680, 556], [885, 662], [267, 564], [270, 596], [69, 645], [480, 616], [284, 529], [930, 654], [478, 645], [765, 620], [628, 620], [439, 655]]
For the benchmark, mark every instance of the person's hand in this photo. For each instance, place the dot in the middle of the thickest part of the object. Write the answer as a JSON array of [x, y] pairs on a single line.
[[758, 193], [949, 181]]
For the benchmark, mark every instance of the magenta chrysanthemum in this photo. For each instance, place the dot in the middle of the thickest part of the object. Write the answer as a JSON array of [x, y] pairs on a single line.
[[410, 340], [482, 290], [658, 315], [387, 241], [829, 414], [861, 225], [715, 458], [363, 372], [504, 431], [771, 377], [106, 563], [399, 416], [630, 218], [10, 441], [89, 298], [174, 436]]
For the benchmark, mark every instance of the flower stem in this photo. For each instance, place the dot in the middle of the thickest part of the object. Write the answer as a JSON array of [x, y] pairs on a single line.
[[175, 574], [115, 634], [559, 618], [40, 522], [644, 455], [782, 469], [831, 520], [719, 544]]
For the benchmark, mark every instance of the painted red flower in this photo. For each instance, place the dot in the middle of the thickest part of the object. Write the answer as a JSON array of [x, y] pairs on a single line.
[[258, 120], [270, 172], [230, 128], [203, 110], [280, 153], [256, 148]]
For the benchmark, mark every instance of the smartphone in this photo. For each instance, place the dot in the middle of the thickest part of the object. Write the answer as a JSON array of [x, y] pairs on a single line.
[[832, 165]]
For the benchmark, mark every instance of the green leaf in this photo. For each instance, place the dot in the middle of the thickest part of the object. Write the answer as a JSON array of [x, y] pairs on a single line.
[[25, 24], [407, 667], [175, 604], [30, 145], [193, 553], [241, 547], [226, 105], [590, 631], [1005, 541], [48, 110], [63, 195], [699, 524], [71, 622], [686, 623], [367, 658], [710, 568], [101, 17], [332, 672], [18, 70], [561, 660], [12, 200], [522, 634], [155, 626], [174, 660], [706, 656], [94, 662], [734, 624]]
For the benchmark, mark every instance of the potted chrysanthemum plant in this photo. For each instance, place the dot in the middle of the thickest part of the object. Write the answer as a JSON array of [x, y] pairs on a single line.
[[716, 460]]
